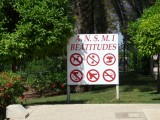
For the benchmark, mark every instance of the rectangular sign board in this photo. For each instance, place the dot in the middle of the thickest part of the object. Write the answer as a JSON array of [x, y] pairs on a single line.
[[92, 59]]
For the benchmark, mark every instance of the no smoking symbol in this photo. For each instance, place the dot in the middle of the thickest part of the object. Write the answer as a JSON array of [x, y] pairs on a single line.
[[109, 59], [76, 59], [93, 75], [76, 75], [109, 75], [93, 59]]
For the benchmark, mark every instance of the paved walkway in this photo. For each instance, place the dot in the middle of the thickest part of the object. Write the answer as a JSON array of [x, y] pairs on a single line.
[[94, 112]]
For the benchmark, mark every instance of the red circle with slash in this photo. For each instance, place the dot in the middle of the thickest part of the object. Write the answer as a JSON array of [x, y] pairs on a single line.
[[109, 59], [93, 75], [76, 59], [93, 59], [109, 75], [76, 75]]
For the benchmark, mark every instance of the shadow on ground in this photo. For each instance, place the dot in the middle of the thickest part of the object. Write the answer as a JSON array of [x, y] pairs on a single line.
[[57, 102]]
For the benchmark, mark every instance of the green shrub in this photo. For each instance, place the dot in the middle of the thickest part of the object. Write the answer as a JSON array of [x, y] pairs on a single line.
[[47, 74], [59, 81], [40, 82], [11, 87]]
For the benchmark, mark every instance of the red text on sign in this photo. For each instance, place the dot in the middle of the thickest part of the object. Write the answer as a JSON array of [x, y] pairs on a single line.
[[78, 47]]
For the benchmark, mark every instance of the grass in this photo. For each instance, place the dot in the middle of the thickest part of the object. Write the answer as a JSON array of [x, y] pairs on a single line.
[[134, 88]]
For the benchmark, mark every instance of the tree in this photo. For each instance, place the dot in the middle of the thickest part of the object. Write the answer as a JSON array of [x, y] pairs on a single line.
[[85, 10], [145, 34], [145, 31], [34, 28], [108, 16]]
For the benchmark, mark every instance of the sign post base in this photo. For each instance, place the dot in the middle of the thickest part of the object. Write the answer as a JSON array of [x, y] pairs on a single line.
[[68, 94], [117, 92]]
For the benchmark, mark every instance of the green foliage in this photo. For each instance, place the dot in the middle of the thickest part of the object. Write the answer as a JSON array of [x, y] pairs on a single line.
[[34, 28], [39, 81], [137, 89], [47, 74], [11, 87], [145, 32]]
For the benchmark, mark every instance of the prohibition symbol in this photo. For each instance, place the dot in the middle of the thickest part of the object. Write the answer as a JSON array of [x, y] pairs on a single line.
[[76, 75], [109, 75], [93, 75], [93, 59], [76, 59], [109, 59]]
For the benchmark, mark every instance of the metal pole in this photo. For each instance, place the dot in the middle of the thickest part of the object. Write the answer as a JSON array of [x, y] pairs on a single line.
[[124, 69], [117, 92], [158, 80], [68, 94]]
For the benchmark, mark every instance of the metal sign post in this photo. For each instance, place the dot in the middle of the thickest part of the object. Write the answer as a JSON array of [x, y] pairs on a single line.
[[117, 92], [68, 94]]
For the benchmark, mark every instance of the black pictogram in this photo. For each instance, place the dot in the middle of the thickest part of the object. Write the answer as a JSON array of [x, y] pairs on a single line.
[[93, 59], [76, 59], [93, 75], [109, 75], [76, 75], [109, 59]]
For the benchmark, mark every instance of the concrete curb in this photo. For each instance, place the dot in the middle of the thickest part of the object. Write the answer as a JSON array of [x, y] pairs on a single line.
[[93, 112]]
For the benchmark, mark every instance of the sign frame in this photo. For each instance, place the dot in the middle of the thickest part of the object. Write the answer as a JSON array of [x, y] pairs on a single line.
[[96, 44]]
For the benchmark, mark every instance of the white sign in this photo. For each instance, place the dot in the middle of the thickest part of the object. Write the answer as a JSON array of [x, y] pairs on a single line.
[[92, 59]]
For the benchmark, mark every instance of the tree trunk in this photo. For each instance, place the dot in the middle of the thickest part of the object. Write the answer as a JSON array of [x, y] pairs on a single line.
[[100, 17], [14, 65], [2, 112], [85, 11], [108, 16], [158, 80]]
